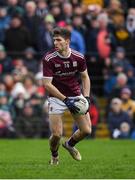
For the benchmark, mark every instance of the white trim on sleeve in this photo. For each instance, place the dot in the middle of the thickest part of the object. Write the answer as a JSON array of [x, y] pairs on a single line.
[[46, 77]]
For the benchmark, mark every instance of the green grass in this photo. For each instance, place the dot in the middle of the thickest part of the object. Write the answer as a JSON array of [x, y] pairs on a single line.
[[100, 159]]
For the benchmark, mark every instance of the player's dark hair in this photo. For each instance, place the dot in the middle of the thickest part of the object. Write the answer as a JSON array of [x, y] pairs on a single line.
[[58, 31]]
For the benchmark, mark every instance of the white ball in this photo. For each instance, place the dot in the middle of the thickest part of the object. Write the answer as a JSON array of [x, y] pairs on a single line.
[[82, 104]]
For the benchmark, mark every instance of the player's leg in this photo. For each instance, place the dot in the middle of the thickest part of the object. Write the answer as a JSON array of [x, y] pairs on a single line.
[[56, 110], [56, 128], [84, 125]]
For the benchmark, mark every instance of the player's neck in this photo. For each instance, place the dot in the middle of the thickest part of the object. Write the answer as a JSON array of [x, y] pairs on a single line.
[[65, 53]]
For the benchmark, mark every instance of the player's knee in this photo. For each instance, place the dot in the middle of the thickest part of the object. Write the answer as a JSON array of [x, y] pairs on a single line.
[[56, 133], [87, 132], [56, 136]]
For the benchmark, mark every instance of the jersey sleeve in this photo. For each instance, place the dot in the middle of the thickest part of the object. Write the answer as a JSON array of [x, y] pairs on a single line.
[[82, 65], [47, 68]]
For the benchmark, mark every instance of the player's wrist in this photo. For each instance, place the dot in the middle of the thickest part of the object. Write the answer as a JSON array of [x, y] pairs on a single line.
[[70, 103], [88, 99], [65, 99]]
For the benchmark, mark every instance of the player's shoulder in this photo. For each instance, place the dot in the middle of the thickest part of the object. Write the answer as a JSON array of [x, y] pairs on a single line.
[[77, 54], [50, 55]]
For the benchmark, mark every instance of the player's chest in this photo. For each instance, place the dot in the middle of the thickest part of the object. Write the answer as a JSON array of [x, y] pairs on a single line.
[[66, 65]]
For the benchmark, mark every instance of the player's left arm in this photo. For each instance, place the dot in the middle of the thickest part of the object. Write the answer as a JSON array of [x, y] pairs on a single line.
[[85, 83]]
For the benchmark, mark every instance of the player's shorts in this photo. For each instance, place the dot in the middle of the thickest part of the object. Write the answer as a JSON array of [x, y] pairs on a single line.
[[56, 106]]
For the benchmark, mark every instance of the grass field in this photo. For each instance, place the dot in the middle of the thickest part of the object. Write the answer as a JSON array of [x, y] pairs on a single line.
[[101, 159]]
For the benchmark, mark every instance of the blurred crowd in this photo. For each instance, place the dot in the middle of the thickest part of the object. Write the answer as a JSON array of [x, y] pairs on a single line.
[[103, 30]]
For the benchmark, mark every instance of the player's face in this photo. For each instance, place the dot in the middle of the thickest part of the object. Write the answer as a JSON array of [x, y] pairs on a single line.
[[60, 43]]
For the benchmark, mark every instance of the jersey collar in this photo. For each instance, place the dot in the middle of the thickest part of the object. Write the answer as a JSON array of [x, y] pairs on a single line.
[[63, 56]]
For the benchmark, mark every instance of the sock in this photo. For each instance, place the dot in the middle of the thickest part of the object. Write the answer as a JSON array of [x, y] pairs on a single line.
[[72, 142], [54, 145], [54, 153]]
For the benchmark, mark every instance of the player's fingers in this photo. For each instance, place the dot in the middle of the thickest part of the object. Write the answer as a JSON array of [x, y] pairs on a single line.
[[76, 109], [77, 99]]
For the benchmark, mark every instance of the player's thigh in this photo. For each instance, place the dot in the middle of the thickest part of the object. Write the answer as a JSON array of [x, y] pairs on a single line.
[[56, 125], [83, 122]]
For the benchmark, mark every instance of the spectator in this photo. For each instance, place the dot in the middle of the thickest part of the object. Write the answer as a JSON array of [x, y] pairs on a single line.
[[91, 39], [20, 66], [78, 45], [103, 39], [78, 10], [13, 8], [93, 11], [30, 61], [17, 75], [121, 82], [40, 87], [78, 25], [6, 65], [114, 4], [131, 11], [55, 10], [110, 76], [29, 85], [67, 10], [123, 37], [130, 72], [42, 8], [4, 101], [4, 23], [28, 125], [130, 23], [9, 83], [32, 21], [6, 128], [6, 106], [19, 97], [17, 37], [124, 131], [18, 91], [120, 59], [2, 86], [45, 42], [116, 117], [128, 105]]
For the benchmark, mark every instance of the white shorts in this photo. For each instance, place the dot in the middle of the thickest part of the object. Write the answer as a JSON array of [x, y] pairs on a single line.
[[56, 106]]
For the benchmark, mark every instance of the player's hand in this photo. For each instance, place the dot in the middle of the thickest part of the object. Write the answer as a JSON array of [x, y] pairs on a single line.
[[88, 99], [70, 103]]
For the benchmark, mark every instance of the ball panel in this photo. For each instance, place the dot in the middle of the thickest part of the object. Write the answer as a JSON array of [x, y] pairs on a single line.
[[82, 104]]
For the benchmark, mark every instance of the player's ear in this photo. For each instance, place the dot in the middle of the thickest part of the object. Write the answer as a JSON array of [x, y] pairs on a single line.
[[68, 41]]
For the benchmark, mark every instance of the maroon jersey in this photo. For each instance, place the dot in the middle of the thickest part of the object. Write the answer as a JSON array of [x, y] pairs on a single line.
[[63, 71]]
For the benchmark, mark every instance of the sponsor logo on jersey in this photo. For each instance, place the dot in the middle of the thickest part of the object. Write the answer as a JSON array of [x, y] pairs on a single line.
[[58, 73], [74, 63]]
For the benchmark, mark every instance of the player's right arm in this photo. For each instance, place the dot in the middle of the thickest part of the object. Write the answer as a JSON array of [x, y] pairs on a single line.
[[52, 89], [56, 93], [48, 77]]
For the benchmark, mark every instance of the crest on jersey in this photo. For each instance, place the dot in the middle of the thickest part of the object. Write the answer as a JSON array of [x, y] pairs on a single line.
[[57, 65], [74, 63]]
